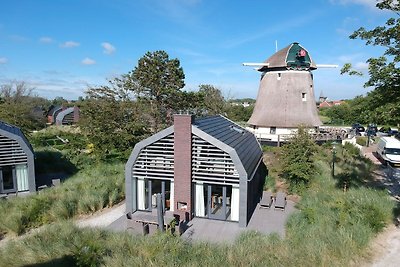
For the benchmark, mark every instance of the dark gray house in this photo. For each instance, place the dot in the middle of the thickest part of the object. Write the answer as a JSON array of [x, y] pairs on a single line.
[[209, 167], [17, 170], [68, 116], [52, 114]]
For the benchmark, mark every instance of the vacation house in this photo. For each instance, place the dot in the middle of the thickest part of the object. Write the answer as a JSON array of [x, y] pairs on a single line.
[[68, 116], [52, 114], [209, 167], [17, 170]]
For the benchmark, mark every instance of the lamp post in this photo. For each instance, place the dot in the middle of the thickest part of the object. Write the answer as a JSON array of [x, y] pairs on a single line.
[[333, 158]]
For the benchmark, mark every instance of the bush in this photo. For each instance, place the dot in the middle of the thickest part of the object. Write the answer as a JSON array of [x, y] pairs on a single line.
[[361, 140], [297, 156]]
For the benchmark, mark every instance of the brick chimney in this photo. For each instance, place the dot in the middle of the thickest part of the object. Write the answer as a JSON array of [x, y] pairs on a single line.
[[183, 165]]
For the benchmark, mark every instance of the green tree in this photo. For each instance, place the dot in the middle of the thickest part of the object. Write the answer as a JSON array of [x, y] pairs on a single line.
[[384, 71], [192, 102], [298, 167], [18, 106], [214, 102], [340, 114], [238, 112], [112, 120], [157, 81]]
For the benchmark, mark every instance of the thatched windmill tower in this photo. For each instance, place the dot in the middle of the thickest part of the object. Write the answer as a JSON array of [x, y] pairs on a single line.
[[285, 97]]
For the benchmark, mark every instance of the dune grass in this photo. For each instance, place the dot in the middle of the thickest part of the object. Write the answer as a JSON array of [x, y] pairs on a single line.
[[86, 192], [332, 228]]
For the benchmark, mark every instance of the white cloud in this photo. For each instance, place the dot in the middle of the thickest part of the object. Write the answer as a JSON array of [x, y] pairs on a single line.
[[3, 60], [70, 44], [46, 40], [361, 66], [108, 48], [88, 61]]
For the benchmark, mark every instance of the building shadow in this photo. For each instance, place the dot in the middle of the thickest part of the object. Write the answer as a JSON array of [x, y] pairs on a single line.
[[65, 261], [51, 166]]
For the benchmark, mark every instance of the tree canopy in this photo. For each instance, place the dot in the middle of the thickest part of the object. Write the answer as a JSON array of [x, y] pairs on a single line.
[[19, 107], [157, 80], [383, 102], [111, 120]]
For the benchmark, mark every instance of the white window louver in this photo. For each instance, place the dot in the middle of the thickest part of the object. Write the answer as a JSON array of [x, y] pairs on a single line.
[[211, 164], [156, 161]]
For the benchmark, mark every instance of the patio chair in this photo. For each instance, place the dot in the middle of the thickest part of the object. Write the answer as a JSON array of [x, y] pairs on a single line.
[[266, 200], [280, 201]]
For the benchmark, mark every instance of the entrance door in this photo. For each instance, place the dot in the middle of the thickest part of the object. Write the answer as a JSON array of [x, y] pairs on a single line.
[[8, 184], [216, 206]]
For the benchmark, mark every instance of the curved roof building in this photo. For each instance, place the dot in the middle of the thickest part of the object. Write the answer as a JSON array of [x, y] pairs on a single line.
[[68, 116], [209, 168], [17, 167], [286, 94]]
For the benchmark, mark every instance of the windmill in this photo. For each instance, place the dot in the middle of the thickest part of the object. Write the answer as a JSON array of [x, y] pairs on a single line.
[[285, 97]]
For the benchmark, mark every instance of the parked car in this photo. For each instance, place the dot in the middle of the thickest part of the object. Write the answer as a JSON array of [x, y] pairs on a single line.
[[393, 132], [387, 131], [358, 128], [388, 150]]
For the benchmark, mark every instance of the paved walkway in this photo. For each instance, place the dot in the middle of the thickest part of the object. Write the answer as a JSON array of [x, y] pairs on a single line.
[[265, 221], [104, 218]]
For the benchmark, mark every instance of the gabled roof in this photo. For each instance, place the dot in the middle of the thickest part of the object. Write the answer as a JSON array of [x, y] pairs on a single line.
[[290, 57], [14, 133], [243, 142]]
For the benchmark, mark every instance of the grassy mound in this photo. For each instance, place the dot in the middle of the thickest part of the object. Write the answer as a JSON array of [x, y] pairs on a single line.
[[86, 192]]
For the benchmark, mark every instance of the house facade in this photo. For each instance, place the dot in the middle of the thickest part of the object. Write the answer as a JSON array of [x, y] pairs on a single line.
[[17, 170], [209, 168], [52, 114], [67, 116]]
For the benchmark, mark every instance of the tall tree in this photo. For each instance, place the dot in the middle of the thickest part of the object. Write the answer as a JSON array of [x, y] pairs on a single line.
[[157, 80], [384, 71], [18, 106]]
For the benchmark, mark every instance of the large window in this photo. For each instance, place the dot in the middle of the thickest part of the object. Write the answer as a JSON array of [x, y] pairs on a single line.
[[7, 179], [216, 201], [147, 190]]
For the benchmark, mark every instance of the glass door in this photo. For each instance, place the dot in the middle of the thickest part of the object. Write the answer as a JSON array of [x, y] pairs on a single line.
[[8, 184], [216, 207]]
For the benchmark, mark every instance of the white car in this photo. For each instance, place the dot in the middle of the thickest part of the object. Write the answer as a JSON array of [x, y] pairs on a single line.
[[388, 150]]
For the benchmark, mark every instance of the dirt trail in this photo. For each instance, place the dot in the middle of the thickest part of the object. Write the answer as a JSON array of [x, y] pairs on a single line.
[[385, 248]]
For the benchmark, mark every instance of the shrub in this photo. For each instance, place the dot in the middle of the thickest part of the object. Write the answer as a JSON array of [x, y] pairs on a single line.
[[361, 140], [297, 156]]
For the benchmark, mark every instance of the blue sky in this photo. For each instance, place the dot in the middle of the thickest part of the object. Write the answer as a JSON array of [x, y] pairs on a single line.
[[62, 47]]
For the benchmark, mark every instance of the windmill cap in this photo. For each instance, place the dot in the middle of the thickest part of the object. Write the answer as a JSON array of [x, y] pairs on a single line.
[[294, 56]]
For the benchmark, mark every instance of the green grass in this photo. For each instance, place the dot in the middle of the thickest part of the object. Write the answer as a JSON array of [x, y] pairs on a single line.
[[86, 192], [332, 227]]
